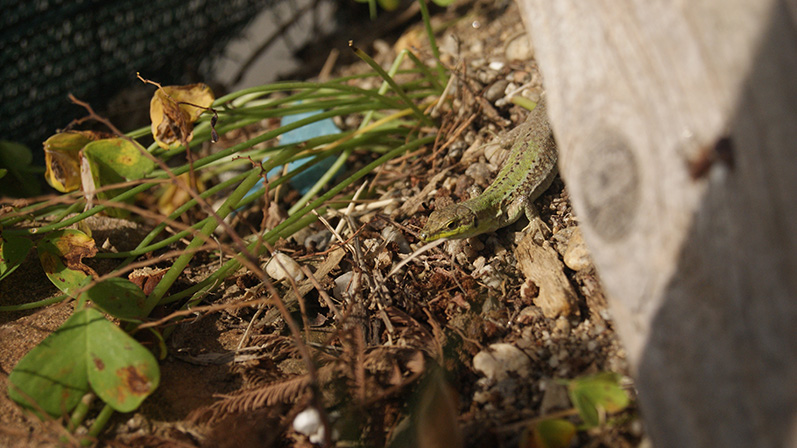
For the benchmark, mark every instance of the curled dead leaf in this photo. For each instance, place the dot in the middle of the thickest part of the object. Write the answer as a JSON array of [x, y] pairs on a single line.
[[172, 196], [147, 278], [62, 157], [73, 248], [61, 254], [172, 117]]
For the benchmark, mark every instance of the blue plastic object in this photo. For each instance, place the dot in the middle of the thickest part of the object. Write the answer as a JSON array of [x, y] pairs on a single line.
[[303, 181]]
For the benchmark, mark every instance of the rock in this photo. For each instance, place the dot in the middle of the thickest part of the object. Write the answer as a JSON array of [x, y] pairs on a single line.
[[520, 48], [496, 65], [541, 265], [282, 266], [554, 398], [308, 422], [501, 361], [496, 90], [577, 256], [345, 286]]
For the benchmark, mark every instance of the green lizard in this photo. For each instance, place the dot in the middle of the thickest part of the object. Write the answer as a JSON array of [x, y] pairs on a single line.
[[526, 174]]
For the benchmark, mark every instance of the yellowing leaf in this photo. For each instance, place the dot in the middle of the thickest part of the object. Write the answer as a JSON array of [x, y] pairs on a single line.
[[173, 119], [174, 196], [62, 156], [61, 254]]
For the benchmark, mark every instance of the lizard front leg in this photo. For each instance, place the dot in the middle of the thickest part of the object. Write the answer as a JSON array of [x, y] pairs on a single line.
[[539, 230]]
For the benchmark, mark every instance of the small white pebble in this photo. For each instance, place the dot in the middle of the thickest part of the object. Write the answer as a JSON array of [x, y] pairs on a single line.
[[482, 396], [520, 49], [282, 266], [394, 235], [490, 277], [308, 422], [562, 325], [598, 329], [479, 262], [577, 256], [546, 334], [496, 65], [498, 360], [345, 286], [636, 427]]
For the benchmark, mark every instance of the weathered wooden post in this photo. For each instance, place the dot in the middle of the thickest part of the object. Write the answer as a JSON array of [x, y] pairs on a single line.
[[677, 129]]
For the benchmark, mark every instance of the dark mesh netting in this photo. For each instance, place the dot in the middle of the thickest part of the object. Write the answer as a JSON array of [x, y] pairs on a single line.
[[93, 49]]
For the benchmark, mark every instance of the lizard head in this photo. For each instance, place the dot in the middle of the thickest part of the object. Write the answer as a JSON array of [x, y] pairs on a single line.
[[454, 221]]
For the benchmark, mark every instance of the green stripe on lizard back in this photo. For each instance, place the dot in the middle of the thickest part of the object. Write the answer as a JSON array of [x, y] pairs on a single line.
[[527, 173]]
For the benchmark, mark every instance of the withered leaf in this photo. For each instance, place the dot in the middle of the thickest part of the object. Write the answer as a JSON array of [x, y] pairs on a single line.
[[172, 196], [62, 156], [147, 278], [173, 119]]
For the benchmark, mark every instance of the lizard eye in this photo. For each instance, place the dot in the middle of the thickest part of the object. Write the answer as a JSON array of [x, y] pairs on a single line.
[[451, 225]]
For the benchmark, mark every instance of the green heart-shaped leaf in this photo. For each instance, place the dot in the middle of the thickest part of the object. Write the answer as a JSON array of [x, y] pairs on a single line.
[[120, 298], [121, 371], [52, 376], [123, 157], [111, 161], [87, 351], [597, 395]]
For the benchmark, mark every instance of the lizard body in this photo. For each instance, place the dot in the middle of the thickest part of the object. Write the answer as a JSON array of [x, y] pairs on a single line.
[[526, 174]]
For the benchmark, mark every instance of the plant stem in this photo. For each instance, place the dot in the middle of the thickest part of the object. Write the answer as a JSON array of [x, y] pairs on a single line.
[[99, 424], [432, 41], [281, 229], [80, 412], [182, 261], [396, 88], [32, 305]]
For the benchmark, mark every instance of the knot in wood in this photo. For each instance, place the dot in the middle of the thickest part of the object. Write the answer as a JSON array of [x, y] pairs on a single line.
[[611, 183]]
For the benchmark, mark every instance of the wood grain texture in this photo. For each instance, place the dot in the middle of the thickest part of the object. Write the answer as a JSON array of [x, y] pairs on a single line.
[[677, 129]]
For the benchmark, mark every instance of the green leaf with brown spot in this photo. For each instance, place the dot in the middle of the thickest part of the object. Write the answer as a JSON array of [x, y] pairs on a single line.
[[112, 161], [52, 376], [120, 370], [120, 298], [86, 353], [125, 158]]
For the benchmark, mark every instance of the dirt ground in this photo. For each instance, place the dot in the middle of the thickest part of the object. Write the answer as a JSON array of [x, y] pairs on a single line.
[[396, 361]]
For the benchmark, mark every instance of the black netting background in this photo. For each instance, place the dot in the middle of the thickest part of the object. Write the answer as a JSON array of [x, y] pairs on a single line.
[[93, 48]]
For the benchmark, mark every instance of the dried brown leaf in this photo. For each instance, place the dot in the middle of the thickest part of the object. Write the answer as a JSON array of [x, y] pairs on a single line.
[[173, 111]]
